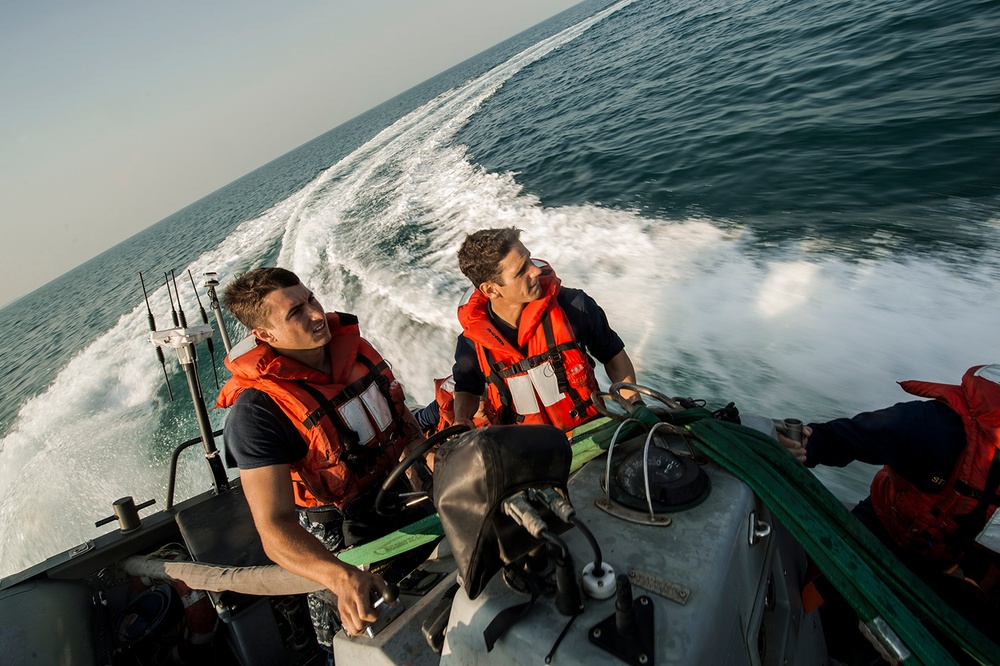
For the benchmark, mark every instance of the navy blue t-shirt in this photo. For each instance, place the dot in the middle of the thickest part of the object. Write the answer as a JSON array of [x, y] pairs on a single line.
[[586, 318], [259, 434]]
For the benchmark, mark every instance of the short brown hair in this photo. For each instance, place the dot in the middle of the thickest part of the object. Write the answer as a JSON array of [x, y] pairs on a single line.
[[481, 253], [244, 296]]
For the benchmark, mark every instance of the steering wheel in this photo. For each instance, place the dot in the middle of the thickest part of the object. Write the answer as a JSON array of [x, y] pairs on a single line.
[[598, 398], [615, 392], [387, 495]]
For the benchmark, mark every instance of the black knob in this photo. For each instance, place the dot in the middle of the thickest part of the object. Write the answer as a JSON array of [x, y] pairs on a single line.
[[625, 619], [391, 593]]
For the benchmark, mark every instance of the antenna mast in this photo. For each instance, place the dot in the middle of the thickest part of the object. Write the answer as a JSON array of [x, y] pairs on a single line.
[[152, 328], [204, 320], [211, 282], [182, 339]]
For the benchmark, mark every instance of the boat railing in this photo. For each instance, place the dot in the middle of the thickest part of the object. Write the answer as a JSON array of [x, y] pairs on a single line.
[[174, 457]]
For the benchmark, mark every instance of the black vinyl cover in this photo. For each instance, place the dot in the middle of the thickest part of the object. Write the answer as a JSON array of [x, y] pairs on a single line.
[[473, 473]]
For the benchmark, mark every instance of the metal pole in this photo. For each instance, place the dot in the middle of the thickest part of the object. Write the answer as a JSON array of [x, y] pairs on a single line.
[[183, 341], [219, 479], [211, 282]]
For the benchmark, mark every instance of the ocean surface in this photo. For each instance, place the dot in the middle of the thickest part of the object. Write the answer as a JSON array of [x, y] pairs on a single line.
[[786, 204]]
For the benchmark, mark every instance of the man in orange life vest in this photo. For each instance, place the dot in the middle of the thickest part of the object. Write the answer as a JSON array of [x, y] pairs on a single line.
[[439, 414], [316, 419], [934, 503], [526, 339]]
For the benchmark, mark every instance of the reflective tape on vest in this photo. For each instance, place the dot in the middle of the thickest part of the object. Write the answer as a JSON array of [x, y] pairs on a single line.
[[377, 407], [546, 384], [522, 393], [361, 412], [990, 536], [540, 383], [990, 372]]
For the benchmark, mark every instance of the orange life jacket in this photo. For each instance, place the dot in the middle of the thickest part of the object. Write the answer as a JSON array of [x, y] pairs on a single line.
[[444, 395], [550, 383], [351, 419], [941, 527]]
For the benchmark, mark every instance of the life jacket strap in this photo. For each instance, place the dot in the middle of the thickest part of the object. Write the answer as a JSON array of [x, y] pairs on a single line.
[[975, 493], [500, 372], [359, 459], [580, 405], [522, 366], [349, 392], [346, 318], [507, 414], [970, 524]]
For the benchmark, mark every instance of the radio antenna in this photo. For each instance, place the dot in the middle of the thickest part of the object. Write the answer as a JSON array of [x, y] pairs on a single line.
[[173, 311], [152, 327], [183, 339], [204, 320], [180, 308], [184, 325]]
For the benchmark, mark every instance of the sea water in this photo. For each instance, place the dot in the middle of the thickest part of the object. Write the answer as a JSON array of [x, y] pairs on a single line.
[[788, 205]]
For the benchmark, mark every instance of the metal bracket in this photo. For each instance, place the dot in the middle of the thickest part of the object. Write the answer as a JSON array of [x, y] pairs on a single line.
[[636, 648], [181, 340], [630, 515], [757, 529], [84, 547], [885, 641]]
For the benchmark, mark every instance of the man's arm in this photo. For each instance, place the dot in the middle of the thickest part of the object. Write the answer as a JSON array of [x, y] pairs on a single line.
[[466, 406], [919, 439], [592, 330], [416, 432], [269, 493], [470, 382], [620, 369], [416, 437]]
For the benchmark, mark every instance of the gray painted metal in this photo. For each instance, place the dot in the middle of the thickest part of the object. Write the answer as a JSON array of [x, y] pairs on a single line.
[[741, 599]]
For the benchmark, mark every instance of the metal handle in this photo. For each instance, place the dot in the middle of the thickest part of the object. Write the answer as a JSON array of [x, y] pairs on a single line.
[[757, 529]]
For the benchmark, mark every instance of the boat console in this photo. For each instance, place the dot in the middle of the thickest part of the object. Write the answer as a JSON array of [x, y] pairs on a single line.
[[710, 581], [666, 560]]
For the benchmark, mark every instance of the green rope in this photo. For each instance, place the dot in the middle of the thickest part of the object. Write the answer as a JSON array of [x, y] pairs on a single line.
[[592, 439], [866, 573]]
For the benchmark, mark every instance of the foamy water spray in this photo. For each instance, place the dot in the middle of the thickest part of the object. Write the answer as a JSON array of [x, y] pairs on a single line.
[[105, 427], [789, 331]]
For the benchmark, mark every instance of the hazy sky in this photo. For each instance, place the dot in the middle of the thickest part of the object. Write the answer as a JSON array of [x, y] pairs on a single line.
[[115, 114]]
